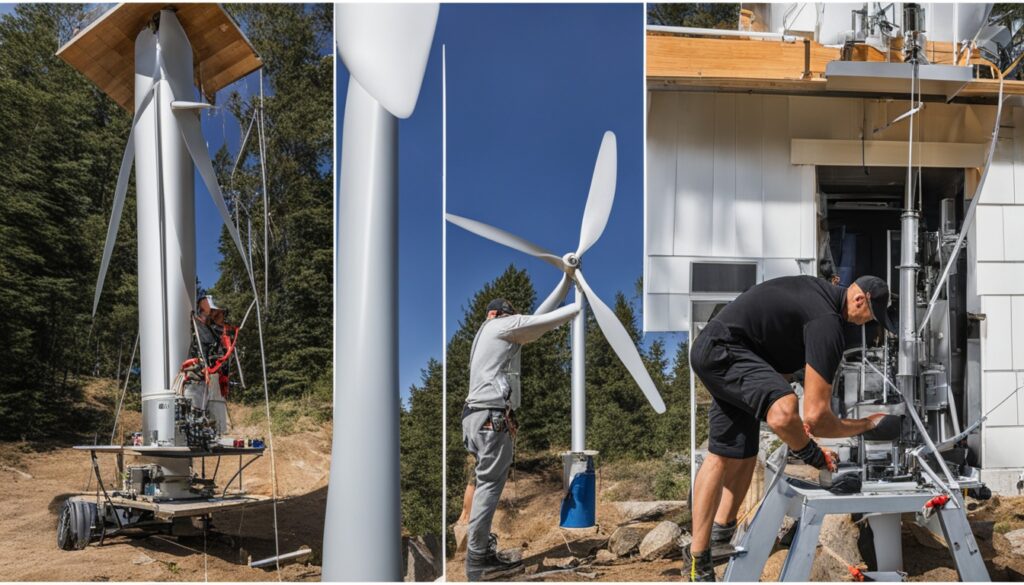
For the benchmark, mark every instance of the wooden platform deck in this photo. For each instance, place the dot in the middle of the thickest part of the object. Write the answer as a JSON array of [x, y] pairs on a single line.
[[169, 510]]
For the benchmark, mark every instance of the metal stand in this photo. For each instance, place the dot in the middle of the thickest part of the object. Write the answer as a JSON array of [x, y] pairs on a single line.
[[809, 504]]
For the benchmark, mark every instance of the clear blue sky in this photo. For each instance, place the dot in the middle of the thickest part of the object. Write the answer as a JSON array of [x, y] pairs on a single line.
[[531, 90]]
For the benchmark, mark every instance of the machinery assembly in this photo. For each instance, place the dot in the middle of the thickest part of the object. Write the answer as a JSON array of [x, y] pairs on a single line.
[[169, 482]]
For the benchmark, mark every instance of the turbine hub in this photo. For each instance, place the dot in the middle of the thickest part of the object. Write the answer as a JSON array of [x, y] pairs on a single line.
[[571, 260]]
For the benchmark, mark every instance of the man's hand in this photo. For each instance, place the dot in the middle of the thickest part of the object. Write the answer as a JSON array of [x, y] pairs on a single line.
[[817, 457]]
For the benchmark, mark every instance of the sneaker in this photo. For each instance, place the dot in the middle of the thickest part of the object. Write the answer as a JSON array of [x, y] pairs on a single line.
[[702, 569], [722, 533]]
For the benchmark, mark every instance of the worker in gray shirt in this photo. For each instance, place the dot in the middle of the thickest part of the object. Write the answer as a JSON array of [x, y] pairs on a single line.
[[488, 425]]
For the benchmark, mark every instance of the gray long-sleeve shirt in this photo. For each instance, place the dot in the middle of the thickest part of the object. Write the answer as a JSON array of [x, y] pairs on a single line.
[[494, 358]]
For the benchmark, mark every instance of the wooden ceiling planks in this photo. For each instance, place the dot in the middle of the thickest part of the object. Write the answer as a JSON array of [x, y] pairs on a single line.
[[105, 50]]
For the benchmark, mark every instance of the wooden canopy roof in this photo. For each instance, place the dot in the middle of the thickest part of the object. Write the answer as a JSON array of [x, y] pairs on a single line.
[[104, 51]]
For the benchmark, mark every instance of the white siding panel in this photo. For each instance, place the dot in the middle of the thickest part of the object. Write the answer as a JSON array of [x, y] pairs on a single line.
[[749, 172], [662, 124], [679, 312], [1002, 447], [776, 267], [1017, 329], [1013, 230], [999, 183], [990, 232], [656, 312], [997, 386], [695, 175], [782, 190], [1000, 278], [669, 274], [724, 203], [996, 334]]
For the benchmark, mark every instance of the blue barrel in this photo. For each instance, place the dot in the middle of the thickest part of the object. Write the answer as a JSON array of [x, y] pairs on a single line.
[[579, 506]]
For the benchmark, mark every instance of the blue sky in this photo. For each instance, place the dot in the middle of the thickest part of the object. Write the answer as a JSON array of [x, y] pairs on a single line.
[[531, 90]]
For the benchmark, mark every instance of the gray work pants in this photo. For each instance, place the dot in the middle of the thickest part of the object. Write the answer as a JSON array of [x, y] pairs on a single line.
[[493, 452]]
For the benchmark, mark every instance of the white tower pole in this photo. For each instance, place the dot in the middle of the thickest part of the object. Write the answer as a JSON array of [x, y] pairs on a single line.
[[166, 216], [579, 376], [385, 49]]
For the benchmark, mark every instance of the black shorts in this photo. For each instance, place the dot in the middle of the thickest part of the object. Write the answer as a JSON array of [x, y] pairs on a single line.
[[743, 387]]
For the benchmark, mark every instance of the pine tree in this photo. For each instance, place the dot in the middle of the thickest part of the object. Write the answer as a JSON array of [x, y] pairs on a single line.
[[295, 42], [421, 446], [60, 147]]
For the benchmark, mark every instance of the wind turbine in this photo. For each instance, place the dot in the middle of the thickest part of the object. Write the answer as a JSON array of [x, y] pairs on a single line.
[[580, 501], [385, 49]]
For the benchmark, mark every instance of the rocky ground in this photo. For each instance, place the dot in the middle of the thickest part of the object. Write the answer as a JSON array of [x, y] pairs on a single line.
[[633, 541]]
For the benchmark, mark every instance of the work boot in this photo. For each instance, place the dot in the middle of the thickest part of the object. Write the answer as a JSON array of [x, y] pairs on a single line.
[[722, 533], [490, 564], [702, 569]]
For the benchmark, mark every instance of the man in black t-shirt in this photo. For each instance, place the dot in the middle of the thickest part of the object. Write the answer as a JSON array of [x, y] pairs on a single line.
[[746, 357]]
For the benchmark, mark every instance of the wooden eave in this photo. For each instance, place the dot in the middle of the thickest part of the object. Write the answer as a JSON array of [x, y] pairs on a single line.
[[104, 51], [684, 63]]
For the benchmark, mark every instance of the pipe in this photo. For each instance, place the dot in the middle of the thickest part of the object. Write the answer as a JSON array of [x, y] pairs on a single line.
[[907, 371], [579, 376], [283, 557], [712, 32]]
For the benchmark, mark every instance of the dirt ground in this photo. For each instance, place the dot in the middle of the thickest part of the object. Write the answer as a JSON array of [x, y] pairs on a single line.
[[527, 518], [35, 480]]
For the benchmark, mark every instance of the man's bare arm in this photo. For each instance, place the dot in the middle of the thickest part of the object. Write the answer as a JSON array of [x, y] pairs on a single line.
[[818, 413]]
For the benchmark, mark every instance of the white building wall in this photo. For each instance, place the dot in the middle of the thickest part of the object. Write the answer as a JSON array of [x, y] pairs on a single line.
[[999, 258], [721, 187]]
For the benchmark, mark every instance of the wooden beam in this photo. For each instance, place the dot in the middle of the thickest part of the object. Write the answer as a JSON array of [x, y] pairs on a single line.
[[684, 63], [679, 56], [886, 153]]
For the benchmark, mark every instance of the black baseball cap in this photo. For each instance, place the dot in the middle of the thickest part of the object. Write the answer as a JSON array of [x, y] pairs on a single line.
[[501, 306], [878, 300]]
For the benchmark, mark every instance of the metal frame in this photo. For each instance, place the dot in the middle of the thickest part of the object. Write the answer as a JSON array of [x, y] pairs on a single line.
[[809, 504]]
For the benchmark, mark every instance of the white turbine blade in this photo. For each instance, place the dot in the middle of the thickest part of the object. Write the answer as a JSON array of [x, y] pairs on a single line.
[[181, 105], [192, 134], [622, 344], [556, 296], [602, 194], [506, 239], [119, 195], [385, 47]]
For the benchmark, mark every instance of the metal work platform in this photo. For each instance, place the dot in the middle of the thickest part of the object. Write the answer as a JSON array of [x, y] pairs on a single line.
[[180, 452], [881, 502]]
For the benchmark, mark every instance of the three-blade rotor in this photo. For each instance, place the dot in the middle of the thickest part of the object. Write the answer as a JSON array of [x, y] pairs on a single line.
[[595, 219]]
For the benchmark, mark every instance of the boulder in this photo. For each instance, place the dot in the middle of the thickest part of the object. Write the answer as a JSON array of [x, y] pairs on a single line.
[[648, 511], [625, 539], [421, 563], [1016, 540], [659, 541]]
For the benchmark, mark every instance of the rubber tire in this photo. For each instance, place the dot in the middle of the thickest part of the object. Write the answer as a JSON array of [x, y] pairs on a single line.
[[74, 524]]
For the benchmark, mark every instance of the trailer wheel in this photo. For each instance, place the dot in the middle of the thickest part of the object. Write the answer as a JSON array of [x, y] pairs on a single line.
[[74, 525]]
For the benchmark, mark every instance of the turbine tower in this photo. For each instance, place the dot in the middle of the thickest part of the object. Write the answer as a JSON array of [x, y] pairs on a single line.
[[385, 48], [579, 502], [154, 76]]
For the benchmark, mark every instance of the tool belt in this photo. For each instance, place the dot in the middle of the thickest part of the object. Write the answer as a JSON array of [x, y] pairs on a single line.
[[500, 420]]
